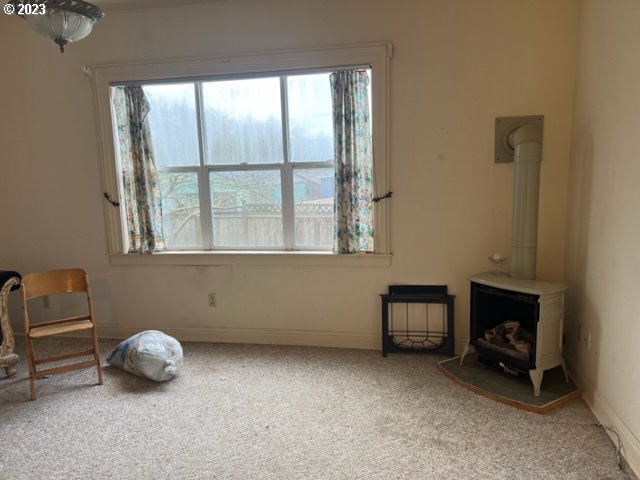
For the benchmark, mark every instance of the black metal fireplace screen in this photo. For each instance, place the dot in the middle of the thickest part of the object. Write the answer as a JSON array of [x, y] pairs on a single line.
[[414, 329]]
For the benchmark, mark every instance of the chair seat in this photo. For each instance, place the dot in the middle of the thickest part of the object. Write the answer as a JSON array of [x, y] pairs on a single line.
[[73, 326]]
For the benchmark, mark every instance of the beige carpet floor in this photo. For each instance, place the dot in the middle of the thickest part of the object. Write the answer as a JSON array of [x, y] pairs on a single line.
[[273, 412]]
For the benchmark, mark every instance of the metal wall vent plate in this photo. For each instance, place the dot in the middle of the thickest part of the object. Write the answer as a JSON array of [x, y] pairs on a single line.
[[505, 125]]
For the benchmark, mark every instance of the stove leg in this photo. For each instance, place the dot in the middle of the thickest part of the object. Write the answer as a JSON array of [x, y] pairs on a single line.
[[536, 379], [466, 350]]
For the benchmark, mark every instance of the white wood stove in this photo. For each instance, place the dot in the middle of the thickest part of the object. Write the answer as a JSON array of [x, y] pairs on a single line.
[[536, 304]]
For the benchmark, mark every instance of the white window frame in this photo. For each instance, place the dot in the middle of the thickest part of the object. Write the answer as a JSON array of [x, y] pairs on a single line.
[[377, 56]]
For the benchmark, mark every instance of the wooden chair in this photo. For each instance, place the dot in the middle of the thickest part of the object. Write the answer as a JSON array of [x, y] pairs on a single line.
[[56, 282]]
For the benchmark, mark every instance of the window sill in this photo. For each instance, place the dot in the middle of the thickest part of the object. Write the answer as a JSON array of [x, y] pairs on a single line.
[[244, 258]]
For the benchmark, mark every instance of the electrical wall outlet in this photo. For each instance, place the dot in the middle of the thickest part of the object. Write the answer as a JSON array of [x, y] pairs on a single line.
[[584, 336], [212, 299]]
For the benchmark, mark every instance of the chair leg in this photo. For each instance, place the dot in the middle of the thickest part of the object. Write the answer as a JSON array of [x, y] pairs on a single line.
[[31, 364], [99, 367], [32, 385], [96, 352]]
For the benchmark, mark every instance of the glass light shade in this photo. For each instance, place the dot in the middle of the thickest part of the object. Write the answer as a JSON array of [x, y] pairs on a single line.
[[61, 26], [63, 21]]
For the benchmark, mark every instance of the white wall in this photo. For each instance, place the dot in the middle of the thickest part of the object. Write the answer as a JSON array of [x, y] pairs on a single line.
[[603, 259], [458, 64]]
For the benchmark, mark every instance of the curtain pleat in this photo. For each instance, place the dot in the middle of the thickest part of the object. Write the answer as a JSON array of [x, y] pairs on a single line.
[[354, 162], [139, 175]]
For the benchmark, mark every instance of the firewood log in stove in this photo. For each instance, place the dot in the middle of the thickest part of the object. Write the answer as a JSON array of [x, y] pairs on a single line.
[[511, 335]]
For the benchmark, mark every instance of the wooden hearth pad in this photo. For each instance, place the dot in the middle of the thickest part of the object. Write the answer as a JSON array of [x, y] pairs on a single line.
[[506, 388]]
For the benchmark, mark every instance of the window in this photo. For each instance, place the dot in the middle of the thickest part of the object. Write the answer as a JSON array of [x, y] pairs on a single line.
[[244, 163], [244, 157]]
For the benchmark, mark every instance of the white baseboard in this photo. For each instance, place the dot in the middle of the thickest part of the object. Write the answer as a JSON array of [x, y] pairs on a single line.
[[268, 336], [254, 335], [607, 415]]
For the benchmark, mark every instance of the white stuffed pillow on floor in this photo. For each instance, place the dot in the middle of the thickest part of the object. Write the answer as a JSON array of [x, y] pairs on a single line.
[[150, 354]]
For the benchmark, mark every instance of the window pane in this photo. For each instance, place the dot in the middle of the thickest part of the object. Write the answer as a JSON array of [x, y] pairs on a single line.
[[243, 121], [180, 210], [313, 197], [172, 124], [247, 209], [310, 118]]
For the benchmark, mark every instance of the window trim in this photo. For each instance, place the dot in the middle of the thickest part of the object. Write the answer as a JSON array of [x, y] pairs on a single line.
[[253, 258], [376, 55]]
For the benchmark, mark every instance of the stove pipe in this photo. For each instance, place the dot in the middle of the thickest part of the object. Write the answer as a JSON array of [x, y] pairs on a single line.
[[527, 143]]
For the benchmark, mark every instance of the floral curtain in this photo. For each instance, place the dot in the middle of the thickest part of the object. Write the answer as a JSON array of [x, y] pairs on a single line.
[[139, 176], [354, 162]]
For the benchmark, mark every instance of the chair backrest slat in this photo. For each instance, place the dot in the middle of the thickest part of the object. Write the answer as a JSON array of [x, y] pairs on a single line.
[[54, 281]]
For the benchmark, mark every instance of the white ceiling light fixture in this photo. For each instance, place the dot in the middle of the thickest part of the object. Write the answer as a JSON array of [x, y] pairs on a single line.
[[63, 21]]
